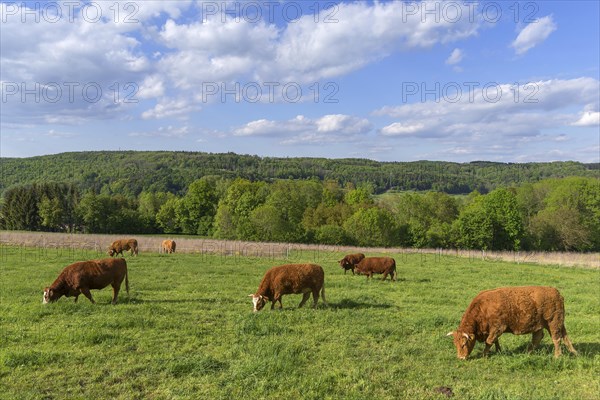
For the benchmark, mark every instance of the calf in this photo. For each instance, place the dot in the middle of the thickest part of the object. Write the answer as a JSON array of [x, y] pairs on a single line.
[[287, 279], [168, 246], [118, 246], [350, 261], [517, 310], [82, 276], [377, 265]]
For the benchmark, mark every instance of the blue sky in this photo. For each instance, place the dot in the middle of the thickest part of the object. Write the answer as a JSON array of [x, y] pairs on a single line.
[[390, 81]]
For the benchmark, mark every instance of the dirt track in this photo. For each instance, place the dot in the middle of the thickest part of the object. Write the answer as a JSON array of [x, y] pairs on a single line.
[[309, 252]]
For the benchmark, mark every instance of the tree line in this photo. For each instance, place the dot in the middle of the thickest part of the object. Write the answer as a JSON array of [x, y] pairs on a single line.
[[130, 173], [552, 214]]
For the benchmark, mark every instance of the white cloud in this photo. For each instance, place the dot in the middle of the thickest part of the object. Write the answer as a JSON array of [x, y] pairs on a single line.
[[481, 115], [327, 129], [167, 132], [166, 108], [303, 51], [534, 34], [151, 87], [588, 118], [455, 57], [60, 135], [399, 129]]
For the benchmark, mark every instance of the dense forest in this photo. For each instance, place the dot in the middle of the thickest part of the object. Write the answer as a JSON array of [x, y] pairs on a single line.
[[130, 173], [549, 214]]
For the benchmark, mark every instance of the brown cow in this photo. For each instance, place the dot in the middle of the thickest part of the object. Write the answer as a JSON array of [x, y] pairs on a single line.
[[518, 310], [82, 276], [377, 265], [168, 246], [118, 246], [287, 279], [350, 261]]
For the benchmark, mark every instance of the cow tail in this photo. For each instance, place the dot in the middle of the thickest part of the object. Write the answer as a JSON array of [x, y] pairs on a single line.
[[395, 271]]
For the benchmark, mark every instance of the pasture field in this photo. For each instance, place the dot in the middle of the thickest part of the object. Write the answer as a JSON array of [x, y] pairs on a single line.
[[187, 331]]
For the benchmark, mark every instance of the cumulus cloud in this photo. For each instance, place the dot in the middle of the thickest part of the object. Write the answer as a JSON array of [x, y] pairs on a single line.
[[326, 129], [588, 118], [534, 34], [481, 114], [60, 135], [169, 49], [166, 108], [455, 57], [166, 132], [302, 51]]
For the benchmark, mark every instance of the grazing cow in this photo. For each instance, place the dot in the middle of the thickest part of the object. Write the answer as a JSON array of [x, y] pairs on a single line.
[[377, 265], [82, 276], [350, 261], [118, 246], [168, 246], [287, 279], [517, 310]]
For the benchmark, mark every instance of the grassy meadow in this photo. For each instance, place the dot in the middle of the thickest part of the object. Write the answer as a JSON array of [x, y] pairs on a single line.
[[187, 331]]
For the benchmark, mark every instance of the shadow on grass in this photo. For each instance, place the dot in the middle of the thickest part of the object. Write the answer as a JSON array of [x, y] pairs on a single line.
[[583, 350], [351, 304], [165, 301]]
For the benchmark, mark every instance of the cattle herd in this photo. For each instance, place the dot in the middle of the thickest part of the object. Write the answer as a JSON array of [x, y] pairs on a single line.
[[517, 310]]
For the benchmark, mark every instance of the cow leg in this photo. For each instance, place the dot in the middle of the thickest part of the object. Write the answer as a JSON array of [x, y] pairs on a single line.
[[491, 339], [497, 344], [384, 276], [315, 297], [352, 271], [536, 338], [86, 293], [116, 289], [305, 297]]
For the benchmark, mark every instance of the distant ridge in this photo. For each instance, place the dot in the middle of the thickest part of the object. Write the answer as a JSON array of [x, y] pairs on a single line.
[[131, 172]]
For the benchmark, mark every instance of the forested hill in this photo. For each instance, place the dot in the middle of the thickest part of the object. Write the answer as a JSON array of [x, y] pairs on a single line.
[[131, 172]]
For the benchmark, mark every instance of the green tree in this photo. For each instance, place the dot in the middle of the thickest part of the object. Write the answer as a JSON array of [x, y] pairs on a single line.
[[232, 220], [50, 212], [373, 227], [490, 222], [197, 209], [166, 218]]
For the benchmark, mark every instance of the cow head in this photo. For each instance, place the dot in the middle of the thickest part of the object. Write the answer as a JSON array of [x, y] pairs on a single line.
[[345, 264], [464, 343], [111, 252], [258, 301], [50, 295]]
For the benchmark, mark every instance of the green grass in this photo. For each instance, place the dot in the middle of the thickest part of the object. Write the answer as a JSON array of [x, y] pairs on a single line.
[[188, 331]]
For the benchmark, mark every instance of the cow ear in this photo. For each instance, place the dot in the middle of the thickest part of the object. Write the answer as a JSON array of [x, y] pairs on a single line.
[[471, 337], [266, 298]]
